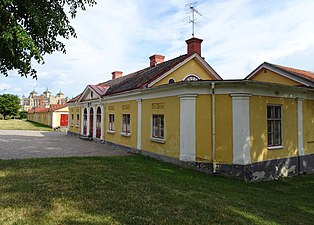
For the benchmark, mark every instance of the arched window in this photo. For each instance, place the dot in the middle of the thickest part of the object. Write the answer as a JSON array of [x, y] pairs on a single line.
[[98, 122], [171, 81], [85, 122], [191, 78], [91, 122]]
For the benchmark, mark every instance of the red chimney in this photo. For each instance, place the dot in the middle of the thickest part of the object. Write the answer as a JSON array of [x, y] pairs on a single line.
[[156, 59], [194, 45], [41, 102], [116, 74]]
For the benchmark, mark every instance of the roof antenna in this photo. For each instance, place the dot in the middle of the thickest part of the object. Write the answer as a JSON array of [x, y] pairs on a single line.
[[191, 8]]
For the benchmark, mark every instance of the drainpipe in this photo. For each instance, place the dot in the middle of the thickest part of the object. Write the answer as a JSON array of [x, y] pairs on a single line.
[[213, 128]]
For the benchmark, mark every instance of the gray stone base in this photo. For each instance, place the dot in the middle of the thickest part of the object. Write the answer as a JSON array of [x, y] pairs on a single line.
[[260, 171], [269, 170]]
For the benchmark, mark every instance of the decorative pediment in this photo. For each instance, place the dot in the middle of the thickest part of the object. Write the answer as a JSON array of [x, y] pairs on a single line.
[[89, 94], [187, 67]]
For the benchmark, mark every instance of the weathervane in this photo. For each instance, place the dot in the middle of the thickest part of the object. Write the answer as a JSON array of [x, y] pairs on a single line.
[[191, 8]]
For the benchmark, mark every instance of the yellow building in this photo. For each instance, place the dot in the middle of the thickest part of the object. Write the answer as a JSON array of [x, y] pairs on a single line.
[[181, 111], [55, 116]]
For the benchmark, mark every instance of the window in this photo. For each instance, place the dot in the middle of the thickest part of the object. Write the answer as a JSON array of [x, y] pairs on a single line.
[[158, 126], [111, 122], [126, 123], [77, 120], [72, 119], [91, 94], [171, 81], [191, 78], [274, 125]]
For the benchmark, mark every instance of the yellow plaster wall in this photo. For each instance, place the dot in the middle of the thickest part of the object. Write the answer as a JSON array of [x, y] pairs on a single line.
[[191, 67], [204, 128], [268, 76], [308, 126], [224, 132], [118, 111], [258, 128], [30, 117], [171, 112], [42, 118], [76, 110]]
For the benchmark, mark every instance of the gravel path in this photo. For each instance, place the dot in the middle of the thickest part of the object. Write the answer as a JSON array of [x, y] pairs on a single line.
[[20, 144]]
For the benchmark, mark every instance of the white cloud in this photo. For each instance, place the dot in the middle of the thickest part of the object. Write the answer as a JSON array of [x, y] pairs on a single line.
[[121, 35]]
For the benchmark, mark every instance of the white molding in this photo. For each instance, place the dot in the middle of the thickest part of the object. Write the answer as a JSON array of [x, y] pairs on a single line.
[[300, 127], [188, 127], [241, 128], [279, 72], [88, 88], [139, 124], [158, 140]]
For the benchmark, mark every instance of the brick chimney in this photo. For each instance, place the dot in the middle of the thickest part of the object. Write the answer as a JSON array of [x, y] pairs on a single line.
[[156, 59], [116, 74], [41, 102], [194, 46]]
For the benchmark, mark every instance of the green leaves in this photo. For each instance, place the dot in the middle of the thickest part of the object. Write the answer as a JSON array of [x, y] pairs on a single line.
[[31, 28], [9, 105]]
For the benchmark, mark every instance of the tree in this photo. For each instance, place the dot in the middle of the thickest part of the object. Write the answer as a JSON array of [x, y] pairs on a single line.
[[23, 114], [9, 105], [29, 29]]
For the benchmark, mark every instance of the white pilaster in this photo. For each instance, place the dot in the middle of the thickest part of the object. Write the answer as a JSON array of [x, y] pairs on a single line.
[[241, 128], [187, 127], [139, 124], [300, 127], [87, 122], [94, 120], [82, 120], [102, 122]]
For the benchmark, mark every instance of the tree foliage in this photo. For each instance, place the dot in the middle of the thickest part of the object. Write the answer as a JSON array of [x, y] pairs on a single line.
[[31, 28], [9, 105]]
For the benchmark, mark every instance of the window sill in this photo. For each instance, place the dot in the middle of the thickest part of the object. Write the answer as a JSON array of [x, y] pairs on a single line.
[[125, 134], [158, 140], [77, 126], [111, 132], [275, 147]]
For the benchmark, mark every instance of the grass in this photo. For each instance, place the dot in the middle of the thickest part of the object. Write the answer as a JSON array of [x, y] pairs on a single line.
[[13, 124], [139, 190]]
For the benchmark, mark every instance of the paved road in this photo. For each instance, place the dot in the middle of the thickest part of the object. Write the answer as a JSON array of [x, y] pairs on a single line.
[[18, 144]]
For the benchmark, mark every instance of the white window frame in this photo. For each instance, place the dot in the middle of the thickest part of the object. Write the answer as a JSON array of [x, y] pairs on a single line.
[[158, 124], [274, 145], [191, 75], [77, 120], [111, 123], [126, 125]]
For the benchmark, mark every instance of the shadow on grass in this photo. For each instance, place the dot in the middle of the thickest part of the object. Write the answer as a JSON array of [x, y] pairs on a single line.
[[139, 190]]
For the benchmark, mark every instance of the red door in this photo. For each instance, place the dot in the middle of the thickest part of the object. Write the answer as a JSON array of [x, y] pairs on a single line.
[[98, 123], [64, 120], [91, 122], [85, 123]]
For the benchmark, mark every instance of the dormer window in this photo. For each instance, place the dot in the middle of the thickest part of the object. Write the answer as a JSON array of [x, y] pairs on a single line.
[[191, 78], [171, 81]]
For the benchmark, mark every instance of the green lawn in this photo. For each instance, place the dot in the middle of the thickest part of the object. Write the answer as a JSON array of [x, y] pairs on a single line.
[[22, 125], [139, 190]]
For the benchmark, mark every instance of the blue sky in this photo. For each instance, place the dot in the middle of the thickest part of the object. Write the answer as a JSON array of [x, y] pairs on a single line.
[[238, 36]]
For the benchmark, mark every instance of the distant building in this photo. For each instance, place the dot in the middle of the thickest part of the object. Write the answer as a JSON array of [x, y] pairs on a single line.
[[42, 101]]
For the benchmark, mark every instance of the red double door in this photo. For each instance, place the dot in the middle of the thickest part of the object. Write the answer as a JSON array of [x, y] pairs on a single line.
[[64, 120]]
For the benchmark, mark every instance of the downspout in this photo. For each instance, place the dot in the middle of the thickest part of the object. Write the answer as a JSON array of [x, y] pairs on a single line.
[[213, 128]]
